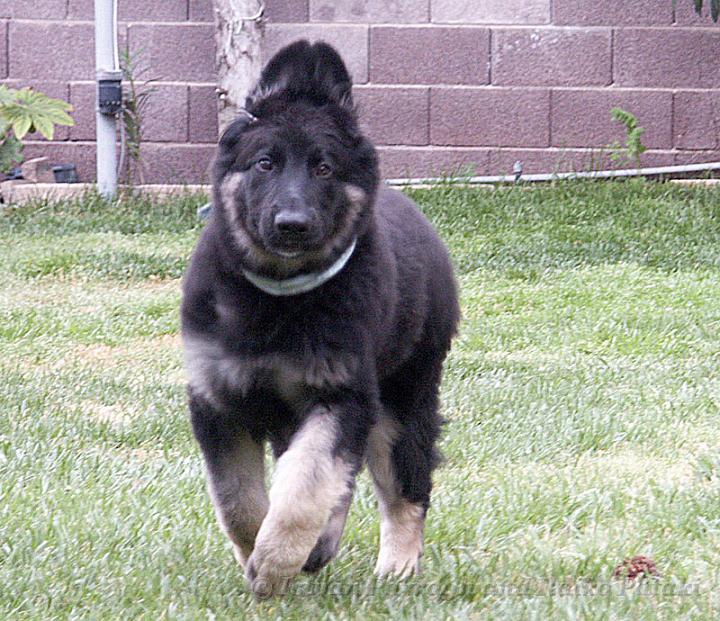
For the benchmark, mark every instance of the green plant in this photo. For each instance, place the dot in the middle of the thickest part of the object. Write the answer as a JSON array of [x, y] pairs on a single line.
[[633, 148], [136, 97], [26, 110]]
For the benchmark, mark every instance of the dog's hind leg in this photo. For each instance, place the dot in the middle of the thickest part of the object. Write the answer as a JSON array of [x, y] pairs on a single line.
[[401, 457], [235, 468], [401, 520]]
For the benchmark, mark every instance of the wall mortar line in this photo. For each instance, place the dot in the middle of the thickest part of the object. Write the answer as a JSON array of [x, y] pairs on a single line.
[[7, 47], [490, 57], [612, 57]]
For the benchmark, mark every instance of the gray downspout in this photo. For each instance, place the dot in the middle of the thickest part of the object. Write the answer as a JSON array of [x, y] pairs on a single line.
[[109, 95]]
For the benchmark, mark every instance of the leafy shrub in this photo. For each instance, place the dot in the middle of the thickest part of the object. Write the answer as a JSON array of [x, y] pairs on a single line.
[[26, 110], [633, 148], [136, 97]]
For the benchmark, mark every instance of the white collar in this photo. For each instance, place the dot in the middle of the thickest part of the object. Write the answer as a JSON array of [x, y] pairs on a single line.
[[303, 282]]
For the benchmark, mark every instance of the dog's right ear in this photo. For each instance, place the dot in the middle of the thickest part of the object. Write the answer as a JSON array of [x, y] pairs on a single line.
[[301, 71], [234, 131], [227, 151]]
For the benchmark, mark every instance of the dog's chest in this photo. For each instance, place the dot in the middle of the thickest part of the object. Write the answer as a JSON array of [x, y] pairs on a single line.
[[218, 374]]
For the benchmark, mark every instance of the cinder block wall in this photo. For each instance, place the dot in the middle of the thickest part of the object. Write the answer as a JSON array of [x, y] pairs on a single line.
[[442, 84]]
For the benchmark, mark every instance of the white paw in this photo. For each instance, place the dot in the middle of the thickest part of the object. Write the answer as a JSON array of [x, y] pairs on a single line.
[[401, 540], [269, 572], [401, 562]]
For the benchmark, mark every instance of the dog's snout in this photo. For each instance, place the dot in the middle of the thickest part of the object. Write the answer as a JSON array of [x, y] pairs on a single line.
[[292, 222]]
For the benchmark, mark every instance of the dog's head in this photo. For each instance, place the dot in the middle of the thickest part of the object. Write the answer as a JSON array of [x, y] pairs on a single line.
[[294, 178]]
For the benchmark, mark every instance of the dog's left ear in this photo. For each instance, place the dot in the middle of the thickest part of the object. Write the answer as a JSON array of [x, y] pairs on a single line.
[[302, 71]]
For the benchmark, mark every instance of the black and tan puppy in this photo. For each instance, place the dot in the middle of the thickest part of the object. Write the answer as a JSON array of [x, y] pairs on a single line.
[[317, 311]]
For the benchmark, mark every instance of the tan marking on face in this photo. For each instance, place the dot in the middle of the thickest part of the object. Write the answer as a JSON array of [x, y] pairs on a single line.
[[258, 256], [356, 195], [228, 190], [357, 199], [228, 187]]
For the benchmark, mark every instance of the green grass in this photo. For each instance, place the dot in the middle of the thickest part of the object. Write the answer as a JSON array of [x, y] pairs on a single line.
[[582, 399]]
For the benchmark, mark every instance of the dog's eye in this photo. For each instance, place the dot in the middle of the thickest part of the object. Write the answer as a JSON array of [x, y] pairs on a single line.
[[265, 164], [323, 171]]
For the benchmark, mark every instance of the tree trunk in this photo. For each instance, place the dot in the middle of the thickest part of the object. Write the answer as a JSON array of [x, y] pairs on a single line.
[[238, 32]]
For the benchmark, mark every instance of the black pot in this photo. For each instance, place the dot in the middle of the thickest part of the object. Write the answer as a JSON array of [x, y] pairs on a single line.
[[65, 173]]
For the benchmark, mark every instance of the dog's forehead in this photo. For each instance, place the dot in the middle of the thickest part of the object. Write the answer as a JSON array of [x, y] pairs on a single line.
[[305, 123], [296, 141]]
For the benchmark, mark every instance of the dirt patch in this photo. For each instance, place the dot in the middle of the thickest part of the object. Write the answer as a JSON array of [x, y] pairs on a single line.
[[106, 355], [115, 414]]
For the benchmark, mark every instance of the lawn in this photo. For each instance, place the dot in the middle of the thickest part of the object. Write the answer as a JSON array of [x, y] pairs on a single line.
[[582, 399]]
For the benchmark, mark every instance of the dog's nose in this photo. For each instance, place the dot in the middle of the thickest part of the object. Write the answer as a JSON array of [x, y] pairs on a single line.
[[292, 222]]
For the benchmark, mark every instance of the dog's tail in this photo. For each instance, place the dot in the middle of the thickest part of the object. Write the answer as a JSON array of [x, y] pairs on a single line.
[[302, 71]]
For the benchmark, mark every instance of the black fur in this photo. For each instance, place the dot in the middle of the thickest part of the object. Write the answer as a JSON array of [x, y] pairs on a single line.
[[379, 330]]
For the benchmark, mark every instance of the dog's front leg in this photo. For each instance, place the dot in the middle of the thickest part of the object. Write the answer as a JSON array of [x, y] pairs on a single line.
[[312, 478], [234, 464]]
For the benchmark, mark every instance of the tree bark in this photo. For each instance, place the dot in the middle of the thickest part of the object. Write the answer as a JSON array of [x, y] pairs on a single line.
[[238, 33]]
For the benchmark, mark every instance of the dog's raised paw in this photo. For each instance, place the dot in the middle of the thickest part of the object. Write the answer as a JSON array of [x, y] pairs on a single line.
[[262, 589], [265, 578], [261, 586]]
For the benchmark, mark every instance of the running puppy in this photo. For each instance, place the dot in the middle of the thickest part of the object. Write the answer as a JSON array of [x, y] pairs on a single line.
[[317, 311]]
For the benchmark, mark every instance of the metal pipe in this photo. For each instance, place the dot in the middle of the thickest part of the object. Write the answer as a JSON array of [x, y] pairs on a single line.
[[600, 174], [106, 66]]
